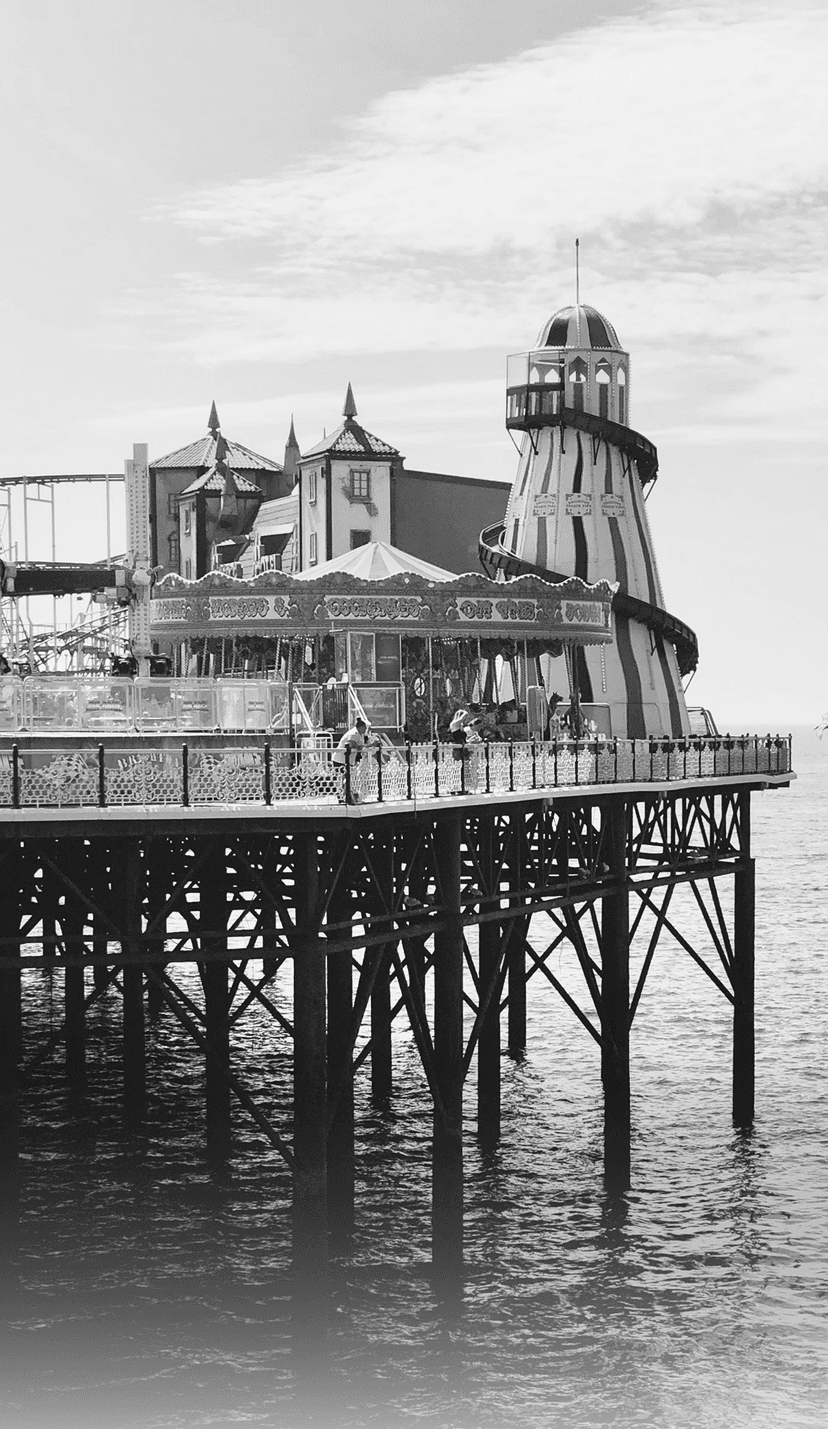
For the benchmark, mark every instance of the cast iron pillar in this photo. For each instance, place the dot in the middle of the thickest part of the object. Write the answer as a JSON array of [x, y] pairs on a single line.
[[310, 1210], [744, 921], [447, 1163], [10, 1047], [214, 973], [518, 928], [488, 1048], [135, 1061], [340, 1077], [381, 1051], [615, 997]]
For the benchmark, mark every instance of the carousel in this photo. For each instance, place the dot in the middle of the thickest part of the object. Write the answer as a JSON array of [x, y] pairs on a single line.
[[382, 635]]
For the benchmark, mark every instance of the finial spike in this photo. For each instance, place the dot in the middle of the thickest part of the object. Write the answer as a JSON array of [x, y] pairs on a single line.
[[213, 422], [350, 408]]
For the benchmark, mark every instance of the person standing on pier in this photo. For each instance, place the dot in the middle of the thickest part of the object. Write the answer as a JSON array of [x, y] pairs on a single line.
[[347, 755]]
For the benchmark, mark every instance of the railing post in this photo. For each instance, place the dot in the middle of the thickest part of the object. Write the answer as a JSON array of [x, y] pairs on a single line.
[[379, 775], [534, 764], [268, 774], [436, 769], [347, 776], [488, 771], [463, 769], [185, 775], [577, 773], [101, 777], [634, 769], [408, 770], [615, 740], [15, 776], [511, 766]]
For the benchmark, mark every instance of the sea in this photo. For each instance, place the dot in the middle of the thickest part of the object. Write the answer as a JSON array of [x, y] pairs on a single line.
[[151, 1290]]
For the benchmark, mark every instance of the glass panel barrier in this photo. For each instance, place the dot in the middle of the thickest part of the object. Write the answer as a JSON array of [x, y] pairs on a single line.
[[11, 703]]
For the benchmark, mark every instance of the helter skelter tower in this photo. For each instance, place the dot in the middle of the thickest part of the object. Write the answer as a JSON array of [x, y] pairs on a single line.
[[577, 508]]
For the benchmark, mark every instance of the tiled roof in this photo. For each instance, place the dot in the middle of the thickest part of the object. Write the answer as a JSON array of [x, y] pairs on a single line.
[[213, 480], [350, 439], [203, 453]]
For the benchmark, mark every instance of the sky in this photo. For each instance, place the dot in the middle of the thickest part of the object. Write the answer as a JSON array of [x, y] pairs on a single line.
[[258, 201]]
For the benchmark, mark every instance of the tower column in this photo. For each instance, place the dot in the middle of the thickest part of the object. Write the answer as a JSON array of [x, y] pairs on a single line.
[[310, 1211], [744, 908]]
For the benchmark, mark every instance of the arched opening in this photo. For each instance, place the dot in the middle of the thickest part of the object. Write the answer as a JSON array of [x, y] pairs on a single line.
[[603, 378], [622, 394], [578, 372]]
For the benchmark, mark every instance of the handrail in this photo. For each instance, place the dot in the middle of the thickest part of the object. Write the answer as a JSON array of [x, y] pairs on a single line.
[[496, 560], [156, 774]]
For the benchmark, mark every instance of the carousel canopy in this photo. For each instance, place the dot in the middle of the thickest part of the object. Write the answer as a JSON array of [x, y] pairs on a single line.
[[376, 561], [409, 601]]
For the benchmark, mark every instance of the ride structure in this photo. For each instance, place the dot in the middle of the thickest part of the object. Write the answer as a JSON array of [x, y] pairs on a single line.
[[577, 508]]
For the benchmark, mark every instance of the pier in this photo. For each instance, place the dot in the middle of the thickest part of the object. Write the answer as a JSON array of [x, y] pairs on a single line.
[[413, 903]]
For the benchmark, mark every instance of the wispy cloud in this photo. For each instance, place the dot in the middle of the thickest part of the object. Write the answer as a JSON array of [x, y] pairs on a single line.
[[686, 149]]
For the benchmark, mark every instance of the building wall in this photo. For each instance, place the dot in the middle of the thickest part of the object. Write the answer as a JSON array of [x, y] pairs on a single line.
[[164, 513], [439, 517], [350, 513]]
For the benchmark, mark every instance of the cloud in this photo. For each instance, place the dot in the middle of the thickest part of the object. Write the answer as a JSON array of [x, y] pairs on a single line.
[[686, 149]]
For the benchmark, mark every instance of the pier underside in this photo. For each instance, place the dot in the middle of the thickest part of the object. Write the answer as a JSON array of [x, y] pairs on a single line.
[[342, 924]]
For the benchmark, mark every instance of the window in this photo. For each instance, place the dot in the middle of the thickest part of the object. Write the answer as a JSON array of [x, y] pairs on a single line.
[[175, 550], [312, 487], [578, 376], [188, 520], [361, 485], [622, 395], [188, 570], [359, 538], [313, 548], [172, 504], [603, 377]]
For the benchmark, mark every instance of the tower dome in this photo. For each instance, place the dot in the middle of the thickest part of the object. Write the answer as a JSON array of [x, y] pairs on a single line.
[[579, 326]]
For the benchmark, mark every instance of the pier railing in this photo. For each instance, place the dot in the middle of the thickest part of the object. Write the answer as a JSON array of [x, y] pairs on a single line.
[[146, 773]]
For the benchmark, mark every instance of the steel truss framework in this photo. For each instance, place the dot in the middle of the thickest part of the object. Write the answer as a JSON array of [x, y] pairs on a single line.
[[423, 916]]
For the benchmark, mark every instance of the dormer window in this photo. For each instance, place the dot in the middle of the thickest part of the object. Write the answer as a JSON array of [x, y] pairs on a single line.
[[360, 485]]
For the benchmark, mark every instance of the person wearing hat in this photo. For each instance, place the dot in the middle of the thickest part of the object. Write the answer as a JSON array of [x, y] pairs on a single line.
[[462, 733]]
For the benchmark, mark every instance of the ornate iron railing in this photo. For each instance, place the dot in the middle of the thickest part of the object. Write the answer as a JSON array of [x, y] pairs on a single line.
[[148, 773]]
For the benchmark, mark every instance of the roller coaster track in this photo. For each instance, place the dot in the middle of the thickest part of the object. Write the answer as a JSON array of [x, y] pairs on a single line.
[[497, 561]]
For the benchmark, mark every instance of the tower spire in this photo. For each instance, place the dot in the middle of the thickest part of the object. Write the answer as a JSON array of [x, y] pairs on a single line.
[[350, 408], [213, 422]]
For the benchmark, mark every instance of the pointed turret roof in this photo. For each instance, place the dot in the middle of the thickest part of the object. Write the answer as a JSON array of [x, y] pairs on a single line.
[[205, 452], [351, 439]]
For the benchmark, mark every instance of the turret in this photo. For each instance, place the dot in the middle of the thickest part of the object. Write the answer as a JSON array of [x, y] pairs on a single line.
[[577, 508]]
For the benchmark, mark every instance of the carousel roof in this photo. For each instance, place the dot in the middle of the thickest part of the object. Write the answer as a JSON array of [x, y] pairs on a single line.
[[375, 562]]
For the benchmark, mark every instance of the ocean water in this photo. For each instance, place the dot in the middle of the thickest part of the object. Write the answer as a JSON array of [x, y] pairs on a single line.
[[149, 1290]]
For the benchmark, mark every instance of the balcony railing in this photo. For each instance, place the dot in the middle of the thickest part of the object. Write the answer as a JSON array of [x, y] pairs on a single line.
[[150, 774]]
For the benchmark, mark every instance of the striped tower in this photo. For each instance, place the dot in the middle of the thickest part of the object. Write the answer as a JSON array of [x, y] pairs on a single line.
[[577, 508]]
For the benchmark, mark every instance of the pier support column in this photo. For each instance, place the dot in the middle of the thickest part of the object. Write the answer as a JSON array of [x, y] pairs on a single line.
[[157, 866], [73, 922], [340, 1083], [213, 941], [488, 1048], [135, 1063], [516, 953], [102, 896], [744, 921], [381, 1068], [310, 1211], [615, 999], [10, 1048], [447, 1163]]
